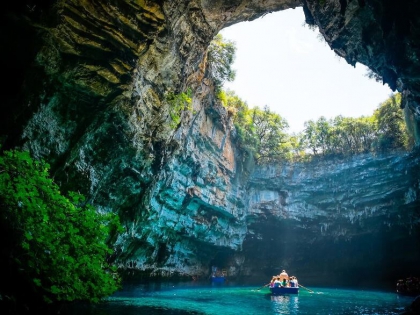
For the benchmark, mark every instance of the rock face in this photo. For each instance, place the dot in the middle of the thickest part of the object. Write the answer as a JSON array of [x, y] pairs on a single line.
[[88, 91], [331, 220]]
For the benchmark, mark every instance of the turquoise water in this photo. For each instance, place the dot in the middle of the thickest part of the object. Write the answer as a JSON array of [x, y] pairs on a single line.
[[183, 299]]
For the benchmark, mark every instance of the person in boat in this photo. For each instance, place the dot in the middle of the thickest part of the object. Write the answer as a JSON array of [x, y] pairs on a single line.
[[272, 281], [284, 282], [277, 283], [293, 282], [284, 275]]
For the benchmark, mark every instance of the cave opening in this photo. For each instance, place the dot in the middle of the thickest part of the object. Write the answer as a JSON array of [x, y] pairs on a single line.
[[286, 64], [319, 84], [328, 218]]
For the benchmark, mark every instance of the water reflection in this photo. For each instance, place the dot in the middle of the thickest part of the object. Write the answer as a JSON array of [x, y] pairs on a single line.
[[206, 299], [285, 304]]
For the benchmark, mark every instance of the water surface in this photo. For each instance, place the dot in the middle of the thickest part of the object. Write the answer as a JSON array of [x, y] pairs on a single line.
[[195, 298]]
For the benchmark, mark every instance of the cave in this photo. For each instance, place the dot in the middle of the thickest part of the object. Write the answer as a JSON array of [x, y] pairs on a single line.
[[86, 90]]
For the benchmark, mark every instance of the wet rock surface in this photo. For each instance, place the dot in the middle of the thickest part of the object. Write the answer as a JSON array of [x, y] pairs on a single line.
[[88, 91]]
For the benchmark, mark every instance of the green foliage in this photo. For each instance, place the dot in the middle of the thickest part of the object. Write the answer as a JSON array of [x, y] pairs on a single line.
[[269, 134], [235, 106], [261, 133], [55, 247], [340, 135], [222, 97], [245, 130], [177, 104], [220, 57], [385, 130], [392, 131]]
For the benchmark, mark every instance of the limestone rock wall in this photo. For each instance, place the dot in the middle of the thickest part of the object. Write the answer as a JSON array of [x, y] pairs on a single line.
[[329, 219], [102, 120], [87, 91]]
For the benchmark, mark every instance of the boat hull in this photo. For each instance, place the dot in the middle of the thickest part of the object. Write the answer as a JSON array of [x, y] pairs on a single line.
[[284, 290], [215, 279]]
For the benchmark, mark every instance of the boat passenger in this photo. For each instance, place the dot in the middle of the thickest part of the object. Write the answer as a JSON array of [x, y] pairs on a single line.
[[277, 283], [284, 283], [272, 281], [293, 282], [284, 275]]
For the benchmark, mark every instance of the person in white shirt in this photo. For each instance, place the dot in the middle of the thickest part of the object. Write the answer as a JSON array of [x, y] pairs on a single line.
[[293, 282]]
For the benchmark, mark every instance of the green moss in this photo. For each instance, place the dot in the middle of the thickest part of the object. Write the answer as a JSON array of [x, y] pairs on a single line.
[[177, 104]]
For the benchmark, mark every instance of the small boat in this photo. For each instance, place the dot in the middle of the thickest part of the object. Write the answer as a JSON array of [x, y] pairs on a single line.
[[284, 290], [218, 279], [283, 284], [218, 276]]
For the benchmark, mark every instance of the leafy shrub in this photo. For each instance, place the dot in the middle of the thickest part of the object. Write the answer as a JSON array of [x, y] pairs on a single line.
[[177, 104], [392, 130], [220, 57], [55, 246]]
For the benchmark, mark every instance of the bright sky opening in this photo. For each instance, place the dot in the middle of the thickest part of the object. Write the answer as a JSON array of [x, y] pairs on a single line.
[[282, 63]]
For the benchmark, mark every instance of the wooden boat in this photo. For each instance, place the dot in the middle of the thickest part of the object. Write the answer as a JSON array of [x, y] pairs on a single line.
[[284, 290], [290, 284]]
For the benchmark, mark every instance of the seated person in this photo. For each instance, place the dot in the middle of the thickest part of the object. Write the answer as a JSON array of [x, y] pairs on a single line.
[[284, 283], [283, 275], [272, 281]]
